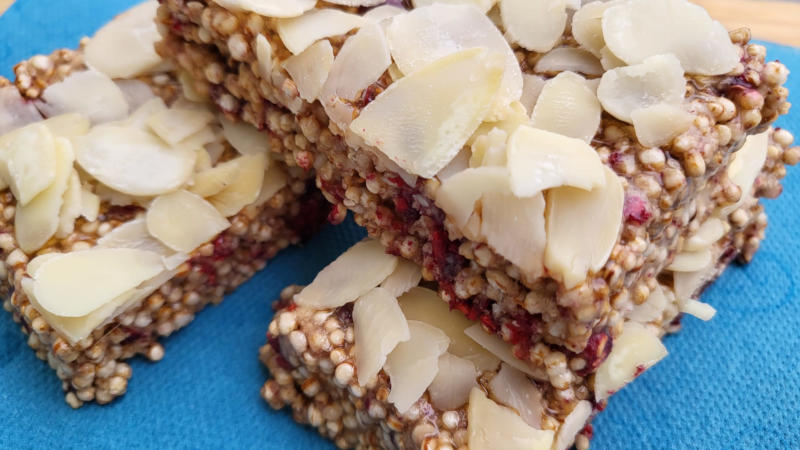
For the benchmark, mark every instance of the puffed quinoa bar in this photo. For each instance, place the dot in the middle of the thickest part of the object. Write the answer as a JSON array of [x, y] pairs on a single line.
[[93, 367], [253, 62]]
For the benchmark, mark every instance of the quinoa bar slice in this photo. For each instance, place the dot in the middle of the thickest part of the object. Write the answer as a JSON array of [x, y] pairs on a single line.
[[542, 170], [396, 368], [127, 208]]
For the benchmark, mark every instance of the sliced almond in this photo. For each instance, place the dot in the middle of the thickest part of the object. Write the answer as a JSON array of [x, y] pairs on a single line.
[[515, 390], [174, 125], [536, 26], [568, 106], [637, 29], [483, 5], [140, 117], [90, 204], [709, 232], [36, 222], [405, 276], [77, 283], [573, 424], [274, 180], [28, 162], [198, 142], [582, 228], [587, 25], [245, 138], [133, 234], [502, 351], [272, 8], [429, 33], [71, 208], [457, 165], [244, 189], [489, 423], [300, 32], [183, 221], [360, 3], [688, 284], [458, 194], [658, 124], [132, 34], [264, 56], [702, 311], [746, 164], [132, 161], [426, 306], [413, 364], [634, 351], [532, 86], [310, 69], [488, 149], [454, 380], [15, 111], [691, 261], [652, 309], [354, 273], [658, 79], [379, 326], [570, 59], [212, 181], [383, 12], [539, 160], [609, 60], [90, 93], [515, 228]]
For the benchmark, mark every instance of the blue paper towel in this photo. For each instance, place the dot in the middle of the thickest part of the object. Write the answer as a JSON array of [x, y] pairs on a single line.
[[732, 383]]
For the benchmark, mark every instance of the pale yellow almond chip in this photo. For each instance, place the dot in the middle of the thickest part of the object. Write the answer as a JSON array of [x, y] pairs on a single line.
[[71, 208], [457, 195], [15, 111], [635, 350], [413, 364], [746, 164], [709, 232], [658, 124], [134, 234], [563, 59], [514, 389], [405, 276], [652, 309], [425, 305], [274, 180], [363, 3], [688, 284], [568, 106], [539, 160], [123, 48], [691, 261], [245, 138], [133, 161], [534, 25], [353, 274], [212, 181], [424, 119], [483, 5], [36, 222], [515, 228], [77, 283], [637, 29], [174, 125], [310, 69], [587, 25], [379, 326], [454, 380], [702, 311], [300, 32], [184, 221], [89, 93], [28, 162], [489, 423], [90, 204], [532, 86], [582, 228], [70, 125], [244, 189], [488, 149], [502, 351], [270, 8], [572, 425], [198, 141], [383, 12], [140, 117], [264, 56], [609, 60]]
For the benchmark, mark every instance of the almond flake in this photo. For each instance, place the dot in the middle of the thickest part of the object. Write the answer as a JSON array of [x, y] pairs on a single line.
[[531, 89], [534, 25], [413, 364], [568, 106], [658, 79], [636, 349], [244, 189], [582, 228], [245, 138], [264, 57], [489, 423], [139, 118], [360, 3], [174, 125], [571, 59], [453, 382], [90, 204], [340, 283], [488, 150], [637, 29], [383, 12], [274, 180], [688, 284], [424, 119], [405, 276], [457, 195], [15, 112], [652, 309], [502, 351], [300, 32], [746, 164], [310, 69], [539, 160], [573, 424], [483, 5], [587, 25], [702, 311], [658, 124], [184, 221], [709, 232], [515, 390], [212, 181], [133, 234], [271, 8], [90, 93], [379, 326], [691, 261], [28, 162], [515, 228], [71, 208]]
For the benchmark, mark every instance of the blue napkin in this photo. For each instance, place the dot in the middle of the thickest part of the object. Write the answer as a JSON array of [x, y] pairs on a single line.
[[732, 383]]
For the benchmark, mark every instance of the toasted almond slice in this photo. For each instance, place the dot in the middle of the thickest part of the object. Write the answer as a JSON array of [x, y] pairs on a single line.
[[28, 162], [405, 276], [429, 33], [383, 12], [361, 61], [746, 164], [458, 194], [68, 126], [512, 388], [691, 261], [90, 93], [212, 181], [536, 26], [133, 234], [502, 351], [582, 228], [198, 141], [657, 80], [424, 119], [183, 221], [425, 305], [379, 326], [245, 138], [652, 309], [453, 382], [571, 59], [75, 284], [132, 161], [274, 180], [132, 34], [483, 5], [189, 88], [174, 125], [354, 273], [539, 160], [310, 69], [687, 284], [635, 350], [413, 364], [709, 232], [568, 106], [532, 86], [271, 8], [36, 222], [71, 208], [515, 228], [360, 3], [488, 149], [489, 423], [658, 124], [15, 111], [587, 26], [637, 29], [245, 188], [90, 204], [139, 117], [300, 32], [702, 311], [573, 424], [136, 92], [264, 56]]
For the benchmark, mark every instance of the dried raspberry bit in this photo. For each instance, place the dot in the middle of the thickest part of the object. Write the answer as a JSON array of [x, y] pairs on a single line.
[[313, 213], [402, 207], [596, 351], [120, 213], [345, 315], [636, 209], [588, 431], [337, 215], [639, 370], [223, 247]]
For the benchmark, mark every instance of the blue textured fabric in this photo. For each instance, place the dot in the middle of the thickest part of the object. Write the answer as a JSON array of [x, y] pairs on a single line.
[[732, 383]]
